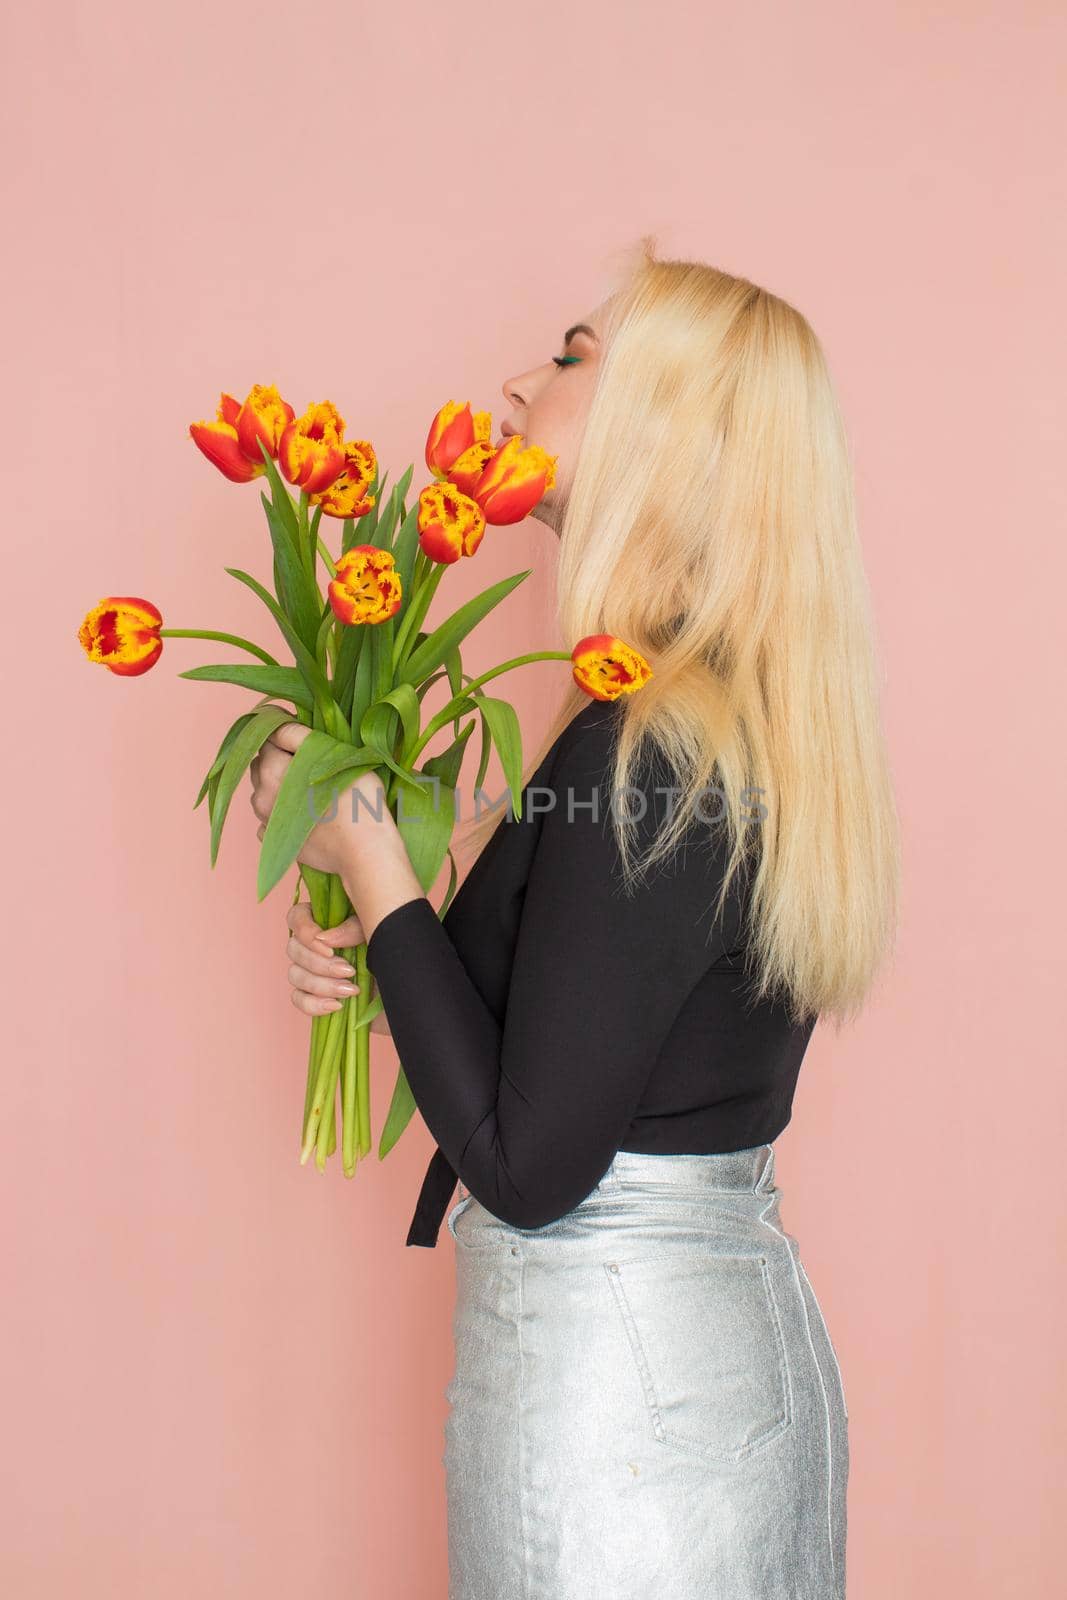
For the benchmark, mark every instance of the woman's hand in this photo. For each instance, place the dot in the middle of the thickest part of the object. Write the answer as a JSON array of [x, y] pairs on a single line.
[[361, 824], [320, 980], [360, 844]]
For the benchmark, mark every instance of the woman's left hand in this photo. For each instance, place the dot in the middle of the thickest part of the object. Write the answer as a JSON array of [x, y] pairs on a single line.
[[361, 825]]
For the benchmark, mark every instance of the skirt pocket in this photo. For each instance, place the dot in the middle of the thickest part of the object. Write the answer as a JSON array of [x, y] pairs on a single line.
[[707, 1341]]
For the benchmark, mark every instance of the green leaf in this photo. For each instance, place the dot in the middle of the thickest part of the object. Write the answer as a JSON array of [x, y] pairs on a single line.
[[223, 751], [426, 816], [405, 549], [245, 746], [453, 879], [285, 683], [447, 763], [309, 667], [401, 1110], [435, 649], [503, 724], [343, 756], [291, 818], [297, 595], [377, 725], [483, 759], [281, 499]]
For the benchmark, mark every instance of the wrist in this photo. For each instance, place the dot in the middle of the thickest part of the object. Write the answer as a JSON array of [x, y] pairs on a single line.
[[378, 883]]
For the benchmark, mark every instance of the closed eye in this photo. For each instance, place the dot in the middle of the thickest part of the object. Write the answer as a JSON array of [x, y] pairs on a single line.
[[565, 361]]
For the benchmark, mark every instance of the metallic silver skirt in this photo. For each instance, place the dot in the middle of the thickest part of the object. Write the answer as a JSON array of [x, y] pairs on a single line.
[[646, 1404]]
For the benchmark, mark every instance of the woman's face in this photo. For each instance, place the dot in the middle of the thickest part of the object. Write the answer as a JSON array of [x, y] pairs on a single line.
[[549, 405]]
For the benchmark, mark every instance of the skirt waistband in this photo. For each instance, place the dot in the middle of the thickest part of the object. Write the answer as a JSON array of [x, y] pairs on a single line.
[[751, 1169]]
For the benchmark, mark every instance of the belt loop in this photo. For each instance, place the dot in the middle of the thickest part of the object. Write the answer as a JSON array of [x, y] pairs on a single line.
[[766, 1170]]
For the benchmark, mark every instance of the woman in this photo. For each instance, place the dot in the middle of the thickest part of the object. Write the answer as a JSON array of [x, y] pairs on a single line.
[[604, 1032]]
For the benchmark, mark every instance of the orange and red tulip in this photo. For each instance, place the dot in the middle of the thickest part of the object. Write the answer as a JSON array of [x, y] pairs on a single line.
[[122, 633], [514, 480], [606, 667], [451, 524], [366, 587], [468, 468], [264, 415], [453, 430], [311, 451], [347, 494], [220, 443]]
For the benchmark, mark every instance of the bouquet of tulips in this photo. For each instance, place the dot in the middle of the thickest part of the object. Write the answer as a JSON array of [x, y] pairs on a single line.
[[361, 666]]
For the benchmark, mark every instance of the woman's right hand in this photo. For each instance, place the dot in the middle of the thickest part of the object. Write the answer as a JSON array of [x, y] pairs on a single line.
[[321, 981]]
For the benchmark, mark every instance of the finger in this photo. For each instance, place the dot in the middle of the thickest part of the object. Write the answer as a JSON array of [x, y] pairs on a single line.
[[311, 983], [326, 965], [261, 830], [306, 929], [344, 933], [313, 1005], [290, 736]]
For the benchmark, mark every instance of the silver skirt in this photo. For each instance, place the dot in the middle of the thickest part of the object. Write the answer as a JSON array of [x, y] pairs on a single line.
[[646, 1404]]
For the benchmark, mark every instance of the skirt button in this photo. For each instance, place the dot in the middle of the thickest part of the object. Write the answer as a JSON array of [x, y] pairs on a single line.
[[514, 1249]]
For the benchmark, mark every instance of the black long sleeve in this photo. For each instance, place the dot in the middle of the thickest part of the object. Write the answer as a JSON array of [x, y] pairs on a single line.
[[532, 1060]]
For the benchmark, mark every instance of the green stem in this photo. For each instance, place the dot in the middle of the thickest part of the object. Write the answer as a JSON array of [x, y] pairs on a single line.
[[223, 638], [453, 706], [325, 1080], [313, 1069], [307, 554], [331, 565], [349, 1128], [415, 613], [364, 980]]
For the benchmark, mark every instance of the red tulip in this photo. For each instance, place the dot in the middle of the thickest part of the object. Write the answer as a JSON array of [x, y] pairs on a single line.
[[452, 431], [366, 587], [606, 667], [311, 450], [347, 495], [220, 443], [122, 634], [450, 523], [514, 480], [264, 415]]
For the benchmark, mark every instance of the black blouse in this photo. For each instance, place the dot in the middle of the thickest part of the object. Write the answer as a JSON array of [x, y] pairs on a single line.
[[552, 1018]]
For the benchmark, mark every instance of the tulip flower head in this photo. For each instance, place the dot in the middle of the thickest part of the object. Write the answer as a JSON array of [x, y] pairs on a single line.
[[311, 451], [264, 415], [606, 667], [452, 432], [451, 524], [220, 442], [347, 495], [122, 633], [366, 587], [514, 480]]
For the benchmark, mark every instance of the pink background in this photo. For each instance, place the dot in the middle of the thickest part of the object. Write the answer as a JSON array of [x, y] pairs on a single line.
[[224, 1374]]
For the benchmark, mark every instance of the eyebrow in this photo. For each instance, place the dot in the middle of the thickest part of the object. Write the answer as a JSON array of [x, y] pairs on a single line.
[[579, 327]]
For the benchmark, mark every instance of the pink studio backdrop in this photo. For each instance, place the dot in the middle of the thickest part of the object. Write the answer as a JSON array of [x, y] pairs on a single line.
[[224, 1374]]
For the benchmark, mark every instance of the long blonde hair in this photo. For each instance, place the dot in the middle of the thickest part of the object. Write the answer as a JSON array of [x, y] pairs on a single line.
[[711, 525]]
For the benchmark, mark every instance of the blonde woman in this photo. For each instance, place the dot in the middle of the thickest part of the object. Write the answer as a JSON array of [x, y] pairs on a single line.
[[604, 1032]]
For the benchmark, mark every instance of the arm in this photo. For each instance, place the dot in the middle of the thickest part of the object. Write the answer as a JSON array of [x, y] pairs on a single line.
[[530, 1115]]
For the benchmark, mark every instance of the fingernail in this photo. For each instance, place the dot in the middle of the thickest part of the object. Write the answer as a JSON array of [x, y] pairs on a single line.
[[343, 966], [347, 988]]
